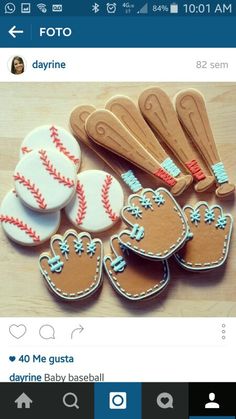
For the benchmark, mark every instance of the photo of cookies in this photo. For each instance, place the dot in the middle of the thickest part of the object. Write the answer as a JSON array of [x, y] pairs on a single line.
[[118, 200]]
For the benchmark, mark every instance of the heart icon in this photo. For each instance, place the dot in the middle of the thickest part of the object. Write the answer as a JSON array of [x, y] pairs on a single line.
[[12, 358], [17, 331]]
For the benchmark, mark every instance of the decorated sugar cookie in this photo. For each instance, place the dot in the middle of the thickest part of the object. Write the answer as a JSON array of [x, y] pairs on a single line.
[[72, 269], [25, 226], [131, 277], [158, 227], [51, 136], [45, 180], [97, 203], [209, 237]]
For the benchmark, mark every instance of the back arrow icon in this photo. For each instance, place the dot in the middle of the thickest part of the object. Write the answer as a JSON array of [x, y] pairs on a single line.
[[13, 31]]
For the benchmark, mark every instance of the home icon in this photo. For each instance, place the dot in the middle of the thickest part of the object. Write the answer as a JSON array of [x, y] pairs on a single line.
[[23, 402]]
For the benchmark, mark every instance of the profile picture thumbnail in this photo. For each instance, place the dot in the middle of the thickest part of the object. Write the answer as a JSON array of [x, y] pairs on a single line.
[[17, 65]]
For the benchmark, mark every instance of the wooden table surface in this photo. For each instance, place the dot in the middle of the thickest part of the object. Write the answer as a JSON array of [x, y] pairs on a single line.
[[23, 107]]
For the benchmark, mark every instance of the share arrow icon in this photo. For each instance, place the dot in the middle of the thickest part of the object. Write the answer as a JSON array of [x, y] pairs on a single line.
[[13, 31]]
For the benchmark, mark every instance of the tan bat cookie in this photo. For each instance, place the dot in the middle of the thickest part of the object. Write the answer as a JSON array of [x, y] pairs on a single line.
[[131, 277], [129, 115], [191, 109], [119, 166], [106, 129], [72, 269], [159, 112], [209, 238], [158, 227]]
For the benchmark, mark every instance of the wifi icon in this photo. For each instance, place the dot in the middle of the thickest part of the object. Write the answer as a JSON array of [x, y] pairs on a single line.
[[42, 7]]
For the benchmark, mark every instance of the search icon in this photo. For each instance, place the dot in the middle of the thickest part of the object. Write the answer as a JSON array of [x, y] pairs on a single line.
[[73, 402]]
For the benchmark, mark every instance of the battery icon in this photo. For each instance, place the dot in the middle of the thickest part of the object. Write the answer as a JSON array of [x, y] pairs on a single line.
[[174, 8]]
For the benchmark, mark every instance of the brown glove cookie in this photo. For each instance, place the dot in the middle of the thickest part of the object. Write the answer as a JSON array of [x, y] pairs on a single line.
[[158, 227], [72, 268], [209, 237], [131, 276]]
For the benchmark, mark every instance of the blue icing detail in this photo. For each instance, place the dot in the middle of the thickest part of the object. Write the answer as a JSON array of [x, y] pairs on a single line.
[[220, 172], [64, 247], [130, 179], [55, 264], [146, 202], [170, 167], [158, 198], [78, 244], [209, 215], [91, 248], [137, 232], [118, 264], [136, 211], [221, 222], [195, 216]]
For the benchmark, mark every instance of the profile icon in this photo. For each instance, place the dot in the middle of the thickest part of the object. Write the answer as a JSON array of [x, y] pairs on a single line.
[[17, 65], [212, 404]]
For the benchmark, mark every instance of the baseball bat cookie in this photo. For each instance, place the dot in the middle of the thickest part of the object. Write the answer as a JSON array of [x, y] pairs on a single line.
[[24, 226], [97, 203], [132, 278], [209, 237], [52, 136], [106, 129], [129, 115], [119, 166], [157, 224], [191, 109], [159, 112], [45, 180], [72, 269]]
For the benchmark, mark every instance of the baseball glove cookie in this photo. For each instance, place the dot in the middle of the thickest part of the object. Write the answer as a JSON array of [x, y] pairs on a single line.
[[209, 237], [158, 225], [73, 268], [131, 277]]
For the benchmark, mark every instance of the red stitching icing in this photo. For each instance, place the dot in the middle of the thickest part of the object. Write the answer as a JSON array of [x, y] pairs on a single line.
[[105, 198], [168, 179], [196, 170], [53, 172], [82, 203], [33, 190], [18, 223], [26, 149], [58, 143]]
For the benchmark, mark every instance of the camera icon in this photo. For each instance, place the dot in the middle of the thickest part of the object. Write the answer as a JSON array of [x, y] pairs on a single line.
[[118, 400], [111, 7]]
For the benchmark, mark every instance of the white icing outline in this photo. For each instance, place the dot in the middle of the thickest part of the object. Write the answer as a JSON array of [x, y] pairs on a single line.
[[135, 297], [215, 264], [98, 274], [168, 252]]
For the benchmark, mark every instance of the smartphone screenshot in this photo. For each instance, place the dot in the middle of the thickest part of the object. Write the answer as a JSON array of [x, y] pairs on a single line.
[[117, 209]]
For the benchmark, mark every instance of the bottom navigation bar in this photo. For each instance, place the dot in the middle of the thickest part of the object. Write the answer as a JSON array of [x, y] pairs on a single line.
[[119, 400]]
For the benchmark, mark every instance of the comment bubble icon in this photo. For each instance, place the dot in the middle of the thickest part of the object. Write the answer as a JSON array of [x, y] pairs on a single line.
[[165, 401], [47, 332]]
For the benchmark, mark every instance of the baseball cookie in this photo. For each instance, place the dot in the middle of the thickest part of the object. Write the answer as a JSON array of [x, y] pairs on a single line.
[[25, 226], [158, 225], [97, 203], [54, 137], [45, 180], [132, 278], [73, 268], [209, 237]]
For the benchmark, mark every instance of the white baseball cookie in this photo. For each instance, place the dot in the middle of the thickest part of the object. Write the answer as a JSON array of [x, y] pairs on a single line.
[[51, 136], [97, 203], [45, 180], [25, 226]]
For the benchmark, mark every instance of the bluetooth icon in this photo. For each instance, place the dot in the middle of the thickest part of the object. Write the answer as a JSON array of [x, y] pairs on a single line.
[[95, 8]]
